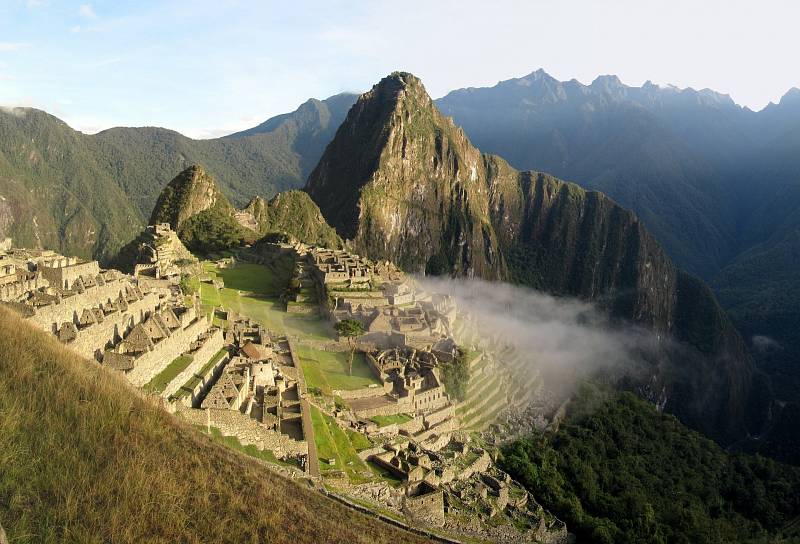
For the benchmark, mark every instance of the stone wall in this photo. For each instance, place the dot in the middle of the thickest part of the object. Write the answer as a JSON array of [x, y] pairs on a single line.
[[443, 427], [65, 276], [432, 418], [427, 508], [69, 308], [91, 341], [392, 407], [363, 393], [248, 431], [481, 464], [411, 426], [14, 290], [206, 381], [430, 400], [167, 350], [210, 347]]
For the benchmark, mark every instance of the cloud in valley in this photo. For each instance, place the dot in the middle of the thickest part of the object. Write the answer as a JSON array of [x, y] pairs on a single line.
[[564, 336]]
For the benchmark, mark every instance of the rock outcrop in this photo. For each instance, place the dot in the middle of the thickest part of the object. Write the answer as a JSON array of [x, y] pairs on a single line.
[[402, 182]]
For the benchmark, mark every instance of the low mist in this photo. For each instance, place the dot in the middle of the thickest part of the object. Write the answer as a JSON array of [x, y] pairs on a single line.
[[564, 338]]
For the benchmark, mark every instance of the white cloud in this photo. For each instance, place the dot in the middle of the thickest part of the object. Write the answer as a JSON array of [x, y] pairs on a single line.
[[87, 11], [13, 110], [6, 47], [34, 3]]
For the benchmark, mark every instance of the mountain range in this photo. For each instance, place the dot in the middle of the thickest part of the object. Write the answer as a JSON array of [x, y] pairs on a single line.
[[715, 184], [88, 195]]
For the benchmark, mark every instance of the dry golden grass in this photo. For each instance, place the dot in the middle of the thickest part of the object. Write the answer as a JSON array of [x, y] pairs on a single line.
[[85, 459]]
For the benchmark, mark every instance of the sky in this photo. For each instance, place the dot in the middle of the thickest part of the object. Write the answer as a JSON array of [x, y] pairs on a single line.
[[210, 67]]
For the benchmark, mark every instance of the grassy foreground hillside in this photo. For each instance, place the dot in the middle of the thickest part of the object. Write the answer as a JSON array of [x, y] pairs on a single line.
[[84, 459]]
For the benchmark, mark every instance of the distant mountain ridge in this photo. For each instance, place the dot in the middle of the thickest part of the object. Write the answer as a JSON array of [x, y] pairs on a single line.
[[403, 182], [88, 195]]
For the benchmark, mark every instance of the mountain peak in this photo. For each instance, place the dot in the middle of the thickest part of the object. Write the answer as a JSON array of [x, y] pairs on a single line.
[[537, 76], [189, 193], [607, 81], [792, 96]]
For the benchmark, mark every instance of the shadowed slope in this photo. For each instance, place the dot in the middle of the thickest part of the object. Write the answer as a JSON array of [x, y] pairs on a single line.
[[84, 459]]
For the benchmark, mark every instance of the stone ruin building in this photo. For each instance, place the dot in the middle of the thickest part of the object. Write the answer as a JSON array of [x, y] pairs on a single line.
[[161, 254], [104, 315], [453, 483], [255, 395], [411, 384]]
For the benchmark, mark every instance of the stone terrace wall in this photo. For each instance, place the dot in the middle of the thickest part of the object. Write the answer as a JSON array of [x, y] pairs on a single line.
[[363, 393], [432, 418], [13, 291], [50, 317], [210, 347], [114, 326], [481, 464], [392, 407], [166, 351], [65, 276], [248, 431], [205, 383]]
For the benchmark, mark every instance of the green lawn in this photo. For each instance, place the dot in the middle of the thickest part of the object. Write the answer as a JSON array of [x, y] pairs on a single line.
[[253, 290], [383, 421], [327, 370], [358, 440], [162, 379], [334, 443], [267, 280]]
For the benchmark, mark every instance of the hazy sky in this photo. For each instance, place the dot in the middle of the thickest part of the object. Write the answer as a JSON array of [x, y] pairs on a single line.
[[207, 67]]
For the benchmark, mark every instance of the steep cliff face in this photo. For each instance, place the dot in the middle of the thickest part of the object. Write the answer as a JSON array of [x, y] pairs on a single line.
[[400, 181], [404, 183], [562, 239]]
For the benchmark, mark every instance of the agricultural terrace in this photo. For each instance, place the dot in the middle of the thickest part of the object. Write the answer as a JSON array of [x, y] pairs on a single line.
[[337, 448]]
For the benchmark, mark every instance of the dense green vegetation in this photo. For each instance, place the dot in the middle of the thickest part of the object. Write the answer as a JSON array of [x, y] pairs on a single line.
[[213, 230], [455, 375], [617, 471], [293, 213]]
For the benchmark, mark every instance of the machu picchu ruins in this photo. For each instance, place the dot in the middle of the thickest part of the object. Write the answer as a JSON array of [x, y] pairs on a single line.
[[194, 336]]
